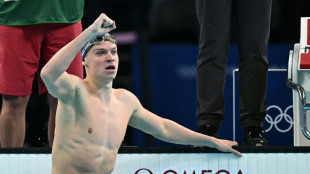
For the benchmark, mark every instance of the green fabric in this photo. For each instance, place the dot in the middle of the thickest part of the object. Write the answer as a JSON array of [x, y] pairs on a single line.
[[28, 12]]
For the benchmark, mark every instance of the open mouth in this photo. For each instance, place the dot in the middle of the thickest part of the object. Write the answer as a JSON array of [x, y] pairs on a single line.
[[110, 67]]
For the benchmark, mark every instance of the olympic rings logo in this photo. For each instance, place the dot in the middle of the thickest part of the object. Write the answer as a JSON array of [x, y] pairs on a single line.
[[281, 116]]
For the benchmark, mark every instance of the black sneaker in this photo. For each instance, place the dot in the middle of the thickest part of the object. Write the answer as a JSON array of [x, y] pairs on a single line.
[[254, 136], [209, 130]]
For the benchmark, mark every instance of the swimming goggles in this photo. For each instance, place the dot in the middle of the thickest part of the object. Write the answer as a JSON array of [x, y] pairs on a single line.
[[98, 39]]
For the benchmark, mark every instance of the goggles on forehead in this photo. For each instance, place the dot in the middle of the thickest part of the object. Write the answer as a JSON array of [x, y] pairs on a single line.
[[98, 39]]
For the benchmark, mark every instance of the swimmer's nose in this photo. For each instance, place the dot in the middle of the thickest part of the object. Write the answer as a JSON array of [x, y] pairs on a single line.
[[110, 60]]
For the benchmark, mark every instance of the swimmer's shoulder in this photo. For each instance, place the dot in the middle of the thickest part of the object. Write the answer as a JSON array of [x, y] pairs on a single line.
[[125, 95]]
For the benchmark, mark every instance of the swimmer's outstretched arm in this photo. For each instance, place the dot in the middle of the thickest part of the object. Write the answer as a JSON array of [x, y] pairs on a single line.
[[172, 132], [54, 72]]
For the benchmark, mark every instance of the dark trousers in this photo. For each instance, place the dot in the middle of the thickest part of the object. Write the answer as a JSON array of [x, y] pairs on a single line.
[[252, 19]]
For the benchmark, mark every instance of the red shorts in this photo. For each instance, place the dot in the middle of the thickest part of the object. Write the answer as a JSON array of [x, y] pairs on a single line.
[[24, 50]]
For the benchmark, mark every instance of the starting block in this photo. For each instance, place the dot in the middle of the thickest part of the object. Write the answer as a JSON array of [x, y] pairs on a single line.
[[298, 78]]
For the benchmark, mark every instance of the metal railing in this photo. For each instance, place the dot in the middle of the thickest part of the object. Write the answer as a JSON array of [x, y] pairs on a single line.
[[304, 106]]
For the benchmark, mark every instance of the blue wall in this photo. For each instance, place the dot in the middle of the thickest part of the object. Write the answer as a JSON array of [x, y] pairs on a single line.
[[172, 73]]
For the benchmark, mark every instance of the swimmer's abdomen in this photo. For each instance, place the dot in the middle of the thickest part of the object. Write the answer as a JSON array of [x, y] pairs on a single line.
[[79, 158]]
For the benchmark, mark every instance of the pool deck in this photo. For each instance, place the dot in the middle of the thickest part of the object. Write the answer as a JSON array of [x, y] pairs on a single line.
[[178, 160]]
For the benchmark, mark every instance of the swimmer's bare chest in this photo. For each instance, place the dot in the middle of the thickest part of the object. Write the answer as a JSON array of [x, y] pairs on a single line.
[[99, 122], [90, 134]]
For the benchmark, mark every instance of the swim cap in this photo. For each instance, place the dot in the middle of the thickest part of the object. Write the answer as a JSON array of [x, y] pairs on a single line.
[[97, 40]]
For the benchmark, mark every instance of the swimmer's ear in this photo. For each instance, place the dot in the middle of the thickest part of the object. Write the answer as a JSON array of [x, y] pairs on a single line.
[[84, 64]]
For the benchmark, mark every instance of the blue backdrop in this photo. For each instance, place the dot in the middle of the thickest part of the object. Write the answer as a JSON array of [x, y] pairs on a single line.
[[172, 75]]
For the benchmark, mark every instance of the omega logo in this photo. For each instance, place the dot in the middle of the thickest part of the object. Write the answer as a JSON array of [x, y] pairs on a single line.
[[148, 171]]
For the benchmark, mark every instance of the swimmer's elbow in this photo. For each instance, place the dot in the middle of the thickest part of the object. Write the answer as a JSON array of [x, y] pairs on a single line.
[[49, 82], [161, 132], [47, 76], [44, 75]]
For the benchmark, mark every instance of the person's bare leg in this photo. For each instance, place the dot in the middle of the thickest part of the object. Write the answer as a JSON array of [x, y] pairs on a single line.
[[51, 122], [13, 120]]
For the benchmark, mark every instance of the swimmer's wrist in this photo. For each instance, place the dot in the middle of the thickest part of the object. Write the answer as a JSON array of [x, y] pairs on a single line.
[[212, 141]]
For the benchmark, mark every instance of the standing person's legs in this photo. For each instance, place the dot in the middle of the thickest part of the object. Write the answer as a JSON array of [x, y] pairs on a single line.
[[57, 36], [19, 57], [253, 18], [12, 120], [214, 18]]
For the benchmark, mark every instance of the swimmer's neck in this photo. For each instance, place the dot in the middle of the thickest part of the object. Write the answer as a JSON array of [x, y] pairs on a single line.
[[102, 89]]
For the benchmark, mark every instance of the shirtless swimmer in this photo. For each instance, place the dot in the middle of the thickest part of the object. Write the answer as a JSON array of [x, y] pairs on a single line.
[[92, 117]]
